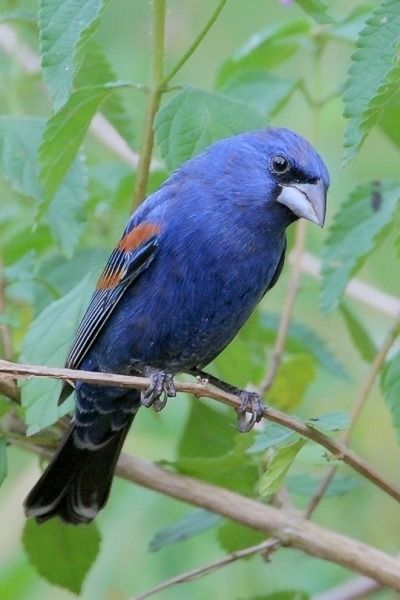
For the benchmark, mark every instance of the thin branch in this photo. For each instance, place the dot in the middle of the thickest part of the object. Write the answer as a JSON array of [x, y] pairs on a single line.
[[359, 404], [357, 588], [196, 42], [155, 95], [287, 310], [202, 389], [206, 569]]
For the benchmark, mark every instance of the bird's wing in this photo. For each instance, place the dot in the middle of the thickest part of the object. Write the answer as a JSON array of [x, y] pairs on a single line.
[[278, 269], [132, 255]]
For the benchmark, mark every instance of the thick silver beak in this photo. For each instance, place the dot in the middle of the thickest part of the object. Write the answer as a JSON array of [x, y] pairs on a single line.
[[307, 200]]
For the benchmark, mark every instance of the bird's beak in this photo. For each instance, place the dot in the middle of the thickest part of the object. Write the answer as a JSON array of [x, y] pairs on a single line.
[[307, 200]]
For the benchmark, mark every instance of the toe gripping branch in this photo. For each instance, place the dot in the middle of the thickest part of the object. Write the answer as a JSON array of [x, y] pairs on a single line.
[[249, 401], [160, 389]]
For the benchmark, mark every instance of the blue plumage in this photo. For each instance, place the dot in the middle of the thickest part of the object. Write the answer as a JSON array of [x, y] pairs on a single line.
[[193, 262]]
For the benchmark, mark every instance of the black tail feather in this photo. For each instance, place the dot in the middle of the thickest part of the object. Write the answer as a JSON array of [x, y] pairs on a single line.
[[77, 482]]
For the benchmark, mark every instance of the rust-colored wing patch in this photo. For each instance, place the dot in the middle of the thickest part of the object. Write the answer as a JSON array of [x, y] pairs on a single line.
[[141, 233]]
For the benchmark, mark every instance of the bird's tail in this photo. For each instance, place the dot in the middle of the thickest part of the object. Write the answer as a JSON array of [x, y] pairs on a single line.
[[77, 482]]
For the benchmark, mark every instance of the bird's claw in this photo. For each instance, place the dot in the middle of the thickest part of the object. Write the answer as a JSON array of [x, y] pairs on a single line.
[[253, 401], [160, 389]]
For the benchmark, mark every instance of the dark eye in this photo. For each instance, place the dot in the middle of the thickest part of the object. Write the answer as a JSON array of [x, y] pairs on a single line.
[[280, 164]]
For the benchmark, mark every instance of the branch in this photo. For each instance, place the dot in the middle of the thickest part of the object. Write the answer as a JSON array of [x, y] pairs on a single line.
[[203, 389], [357, 588]]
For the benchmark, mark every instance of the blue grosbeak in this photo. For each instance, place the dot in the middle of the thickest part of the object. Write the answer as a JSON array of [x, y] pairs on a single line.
[[193, 262]]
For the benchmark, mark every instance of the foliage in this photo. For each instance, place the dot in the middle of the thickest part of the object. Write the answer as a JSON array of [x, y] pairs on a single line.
[[65, 197]]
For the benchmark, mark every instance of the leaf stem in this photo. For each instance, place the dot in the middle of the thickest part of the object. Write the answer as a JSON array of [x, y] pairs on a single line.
[[196, 42], [155, 94]]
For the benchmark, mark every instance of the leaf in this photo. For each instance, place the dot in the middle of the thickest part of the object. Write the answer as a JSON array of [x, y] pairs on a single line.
[[190, 525], [359, 334], [358, 228], [274, 476], [64, 28], [348, 28], [331, 421], [266, 92], [317, 9], [302, 338], [195, 118], [66, 215], [64, 133], [62, 554], [389, 120], [264, 50], [284, 595], [305, 484], [293, 378], [390, 383], [19, 142], [234, 536], [272, 435], [373, 76], [47, 342], [3, 459], [207, 433]]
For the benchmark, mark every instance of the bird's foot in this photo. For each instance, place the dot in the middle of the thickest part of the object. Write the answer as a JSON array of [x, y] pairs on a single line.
[[253, 401], [160, 389]]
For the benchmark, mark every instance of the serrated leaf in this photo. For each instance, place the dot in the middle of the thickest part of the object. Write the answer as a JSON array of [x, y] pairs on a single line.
[[274, 476], [317, 9], [390, 383], [3, 459], [272, 435], [302, 338], [64, 133], [266, 92], [234, 536], [47, 342], [291, 382], [356, 231], [305, 484], [62, 554], [64, 28], [190, 525], [359, 334], [264, 50], [331, 421], [374, 74], [195, 118]]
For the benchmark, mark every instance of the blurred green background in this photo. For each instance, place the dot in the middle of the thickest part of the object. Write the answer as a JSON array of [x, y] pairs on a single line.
[[125, 566]]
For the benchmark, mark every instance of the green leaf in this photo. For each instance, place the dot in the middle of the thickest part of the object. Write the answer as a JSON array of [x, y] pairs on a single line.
[[3, 459], [62, 554], [293, 378], [317, 9], [195, 118], [305, 484], [302, 338], [64, 28], [331, 421], [348, 28], [274, 476], [264, 50], [272, 435], [358, 228], [374, 74], [190, 525], [234, 536], [64, 133], [208, 432], [390, 120], [359, 334], [47, 342], [266, 92], [66, 215], [390, 383], [284, 595]]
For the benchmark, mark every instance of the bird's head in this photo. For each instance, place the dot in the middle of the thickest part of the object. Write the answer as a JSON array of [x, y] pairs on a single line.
[[300, 176]]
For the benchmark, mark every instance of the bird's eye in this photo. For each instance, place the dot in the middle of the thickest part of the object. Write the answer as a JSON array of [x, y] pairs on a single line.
[[280, 164]]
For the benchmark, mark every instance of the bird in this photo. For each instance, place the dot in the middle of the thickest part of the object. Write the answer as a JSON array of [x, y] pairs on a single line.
[[193, 262]]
